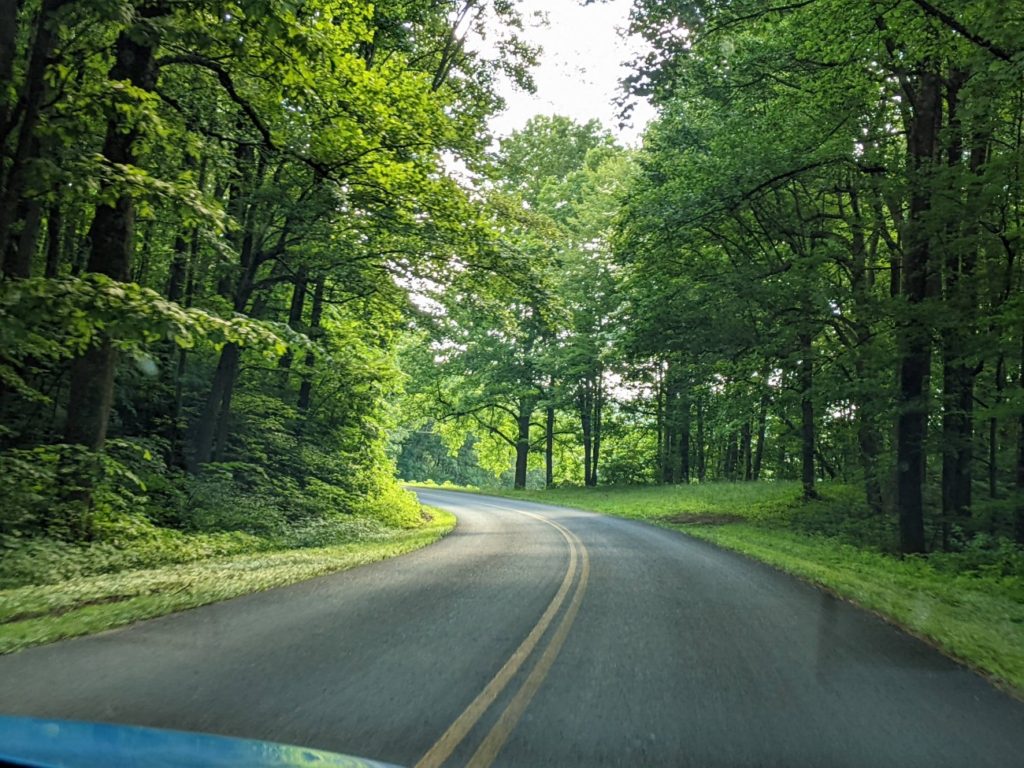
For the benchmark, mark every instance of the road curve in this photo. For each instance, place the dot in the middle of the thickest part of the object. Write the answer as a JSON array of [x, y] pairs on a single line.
[[539, 636]]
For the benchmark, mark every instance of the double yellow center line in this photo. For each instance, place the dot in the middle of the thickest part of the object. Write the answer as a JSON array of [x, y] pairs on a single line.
[[509, 717]]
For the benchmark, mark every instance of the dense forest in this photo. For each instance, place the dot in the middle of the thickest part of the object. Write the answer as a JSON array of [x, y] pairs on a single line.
[[809, 271], [208, 214], [261, 258]]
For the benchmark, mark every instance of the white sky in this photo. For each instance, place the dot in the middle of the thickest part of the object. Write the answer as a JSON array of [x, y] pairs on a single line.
[[583, 59]]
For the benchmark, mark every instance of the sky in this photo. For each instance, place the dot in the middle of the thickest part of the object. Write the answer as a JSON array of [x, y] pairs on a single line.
[[583, 59]]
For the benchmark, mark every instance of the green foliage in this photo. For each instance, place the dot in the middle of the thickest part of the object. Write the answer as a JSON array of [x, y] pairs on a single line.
[[50, 321], [42, 491], [52, 561], [196, 341], [496, 354], [83, 604]]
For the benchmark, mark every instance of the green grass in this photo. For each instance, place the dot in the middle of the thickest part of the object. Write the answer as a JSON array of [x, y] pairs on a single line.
[[34, 615], [970, 605]]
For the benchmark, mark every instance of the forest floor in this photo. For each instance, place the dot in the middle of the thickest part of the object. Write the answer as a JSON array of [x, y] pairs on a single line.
[[969, 604], [36, 614]]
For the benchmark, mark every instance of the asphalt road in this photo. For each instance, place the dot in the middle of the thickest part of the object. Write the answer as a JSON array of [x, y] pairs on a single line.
[[538, 636]]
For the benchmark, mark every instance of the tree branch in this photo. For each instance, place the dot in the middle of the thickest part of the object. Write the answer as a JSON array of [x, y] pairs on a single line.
[[951, 22]]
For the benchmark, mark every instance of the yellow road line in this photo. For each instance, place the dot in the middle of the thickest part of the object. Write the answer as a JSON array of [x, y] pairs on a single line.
[[457, 731], [495, 740]]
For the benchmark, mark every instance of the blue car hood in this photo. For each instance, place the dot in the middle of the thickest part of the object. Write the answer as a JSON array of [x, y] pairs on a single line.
[[40, 743]]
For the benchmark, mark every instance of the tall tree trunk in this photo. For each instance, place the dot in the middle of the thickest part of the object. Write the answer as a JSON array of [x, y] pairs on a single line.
[[24, 251], [54, 230], [523, 441], [807, 431], [585, 398], [957, 435], [747, 450], [141, 271], [316, 313], [668, 450], [914, 337], [30, 103], [598, 407], [549, 447], [178, 272], [868, 440], [295, 310], [683, 439], [590, 418], [1019, 517], [175, 431], [211, 433], [72, 244], [731, 456], [206, 429], [701, 447], [111, 236], [91, 396], [220, 444], [184, 251], [993, 430], [8, 50], [762, 429], [660, 458], [958, 370]]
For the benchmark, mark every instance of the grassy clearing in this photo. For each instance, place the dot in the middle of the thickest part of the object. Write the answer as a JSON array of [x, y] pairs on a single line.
[[969, 604], [34, 615]]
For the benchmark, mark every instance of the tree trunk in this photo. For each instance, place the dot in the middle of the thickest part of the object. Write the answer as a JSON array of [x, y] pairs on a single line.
[[731, 455], [295, 310], [683, 439], [660, 458], [747, 450], [869, 443], [224, 416], [762, 428], [54, 228], [914, 337], [178, 272], [31, 101], [25, 250], [807, 432], [596, 456], [180, 289], [1019, 517], [184, 251], [306, 387], [668, 450], [958, 370], [957, 435], [701, 452], [549, 447], [91, 396], [868, 439], [523, 441], [585, 397], [141, 271], [206, 430], [8, 50], [993, 431], [111, 236]]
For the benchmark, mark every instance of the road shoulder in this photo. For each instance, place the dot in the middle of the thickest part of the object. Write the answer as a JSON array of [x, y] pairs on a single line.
[[35, 615]]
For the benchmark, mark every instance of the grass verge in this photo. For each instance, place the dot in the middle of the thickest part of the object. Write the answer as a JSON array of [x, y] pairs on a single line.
[[969, 605], [35, 615]]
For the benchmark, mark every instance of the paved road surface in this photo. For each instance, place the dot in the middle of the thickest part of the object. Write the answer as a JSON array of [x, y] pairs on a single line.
[[538, 636]]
